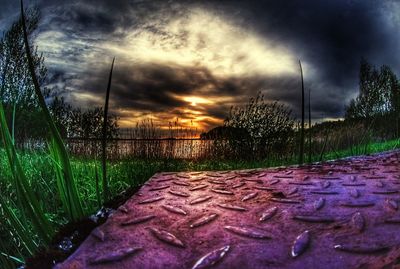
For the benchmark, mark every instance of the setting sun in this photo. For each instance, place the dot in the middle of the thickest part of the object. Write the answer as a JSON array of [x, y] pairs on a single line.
[[194, 100]]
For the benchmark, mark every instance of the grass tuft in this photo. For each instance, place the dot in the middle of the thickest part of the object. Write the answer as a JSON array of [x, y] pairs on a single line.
[[25, 196]]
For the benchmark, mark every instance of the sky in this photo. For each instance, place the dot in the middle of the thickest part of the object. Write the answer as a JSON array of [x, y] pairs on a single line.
[[193, 60]]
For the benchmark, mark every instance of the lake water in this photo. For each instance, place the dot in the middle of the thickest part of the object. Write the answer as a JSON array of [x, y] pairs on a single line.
[[158, 148]]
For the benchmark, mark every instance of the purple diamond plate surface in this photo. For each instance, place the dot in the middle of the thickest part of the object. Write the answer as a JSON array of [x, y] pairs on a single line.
[[338, 214]]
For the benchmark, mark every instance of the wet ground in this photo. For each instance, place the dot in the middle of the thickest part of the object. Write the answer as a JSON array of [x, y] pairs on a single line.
[[339, 214]]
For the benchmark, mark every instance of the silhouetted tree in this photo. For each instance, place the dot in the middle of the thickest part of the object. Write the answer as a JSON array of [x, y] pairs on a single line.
[[16, 87], [17, 92], [378, 99], [269, 124], [378, 93], [78, 123]]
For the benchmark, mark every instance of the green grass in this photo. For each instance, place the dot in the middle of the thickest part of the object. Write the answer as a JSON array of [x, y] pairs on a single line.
[[133, 172], [364, 149], [27, 201]]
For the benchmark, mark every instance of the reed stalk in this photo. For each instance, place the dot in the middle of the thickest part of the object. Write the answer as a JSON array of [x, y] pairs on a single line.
[[106, 191], [301, 154], [309, 125]]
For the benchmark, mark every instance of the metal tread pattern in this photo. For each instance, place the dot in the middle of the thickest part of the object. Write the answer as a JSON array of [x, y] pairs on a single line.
[[337, 214]]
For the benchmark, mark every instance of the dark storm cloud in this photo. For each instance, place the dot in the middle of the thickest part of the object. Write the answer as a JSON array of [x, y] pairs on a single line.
[[330, 35], [102, 19], [153, 88], [157, 87]]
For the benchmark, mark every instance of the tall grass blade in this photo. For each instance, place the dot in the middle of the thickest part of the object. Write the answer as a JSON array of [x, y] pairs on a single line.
[[5, 261], [106, 191], [61, 183], [13, 258], [69, 190], [13, 124]]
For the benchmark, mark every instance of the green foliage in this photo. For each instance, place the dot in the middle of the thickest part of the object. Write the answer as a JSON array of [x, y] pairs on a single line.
[[25, 196], [97, 180], [14, 224], [6, 259], [67, 191]]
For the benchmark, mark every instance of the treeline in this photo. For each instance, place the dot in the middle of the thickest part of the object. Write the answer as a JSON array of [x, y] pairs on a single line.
[[377, 105], [84, 124], [18, 97]]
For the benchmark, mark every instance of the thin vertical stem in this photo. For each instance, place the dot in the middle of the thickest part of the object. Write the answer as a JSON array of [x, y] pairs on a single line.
[[104, 140], [67, 178], [309, 125], [301, 155]]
